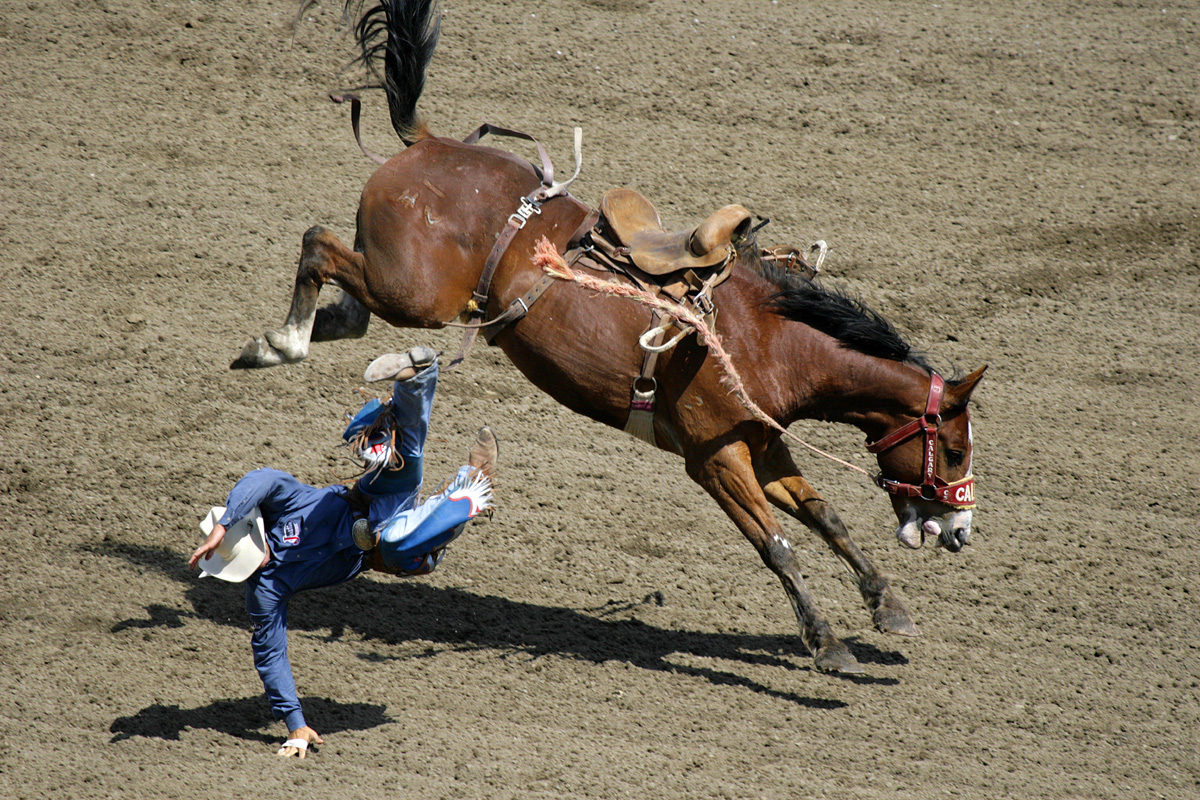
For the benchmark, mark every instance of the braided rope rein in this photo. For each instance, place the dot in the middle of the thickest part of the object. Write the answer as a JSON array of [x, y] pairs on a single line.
[[548, 259]]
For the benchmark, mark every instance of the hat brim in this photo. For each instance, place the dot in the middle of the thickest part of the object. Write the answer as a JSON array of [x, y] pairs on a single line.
[[242, 550]]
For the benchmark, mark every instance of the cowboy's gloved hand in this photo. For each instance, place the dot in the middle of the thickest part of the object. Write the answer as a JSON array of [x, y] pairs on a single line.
[[298, 742], [209, 545]]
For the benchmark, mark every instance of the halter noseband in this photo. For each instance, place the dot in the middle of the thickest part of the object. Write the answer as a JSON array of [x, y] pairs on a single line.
[[960, 494]]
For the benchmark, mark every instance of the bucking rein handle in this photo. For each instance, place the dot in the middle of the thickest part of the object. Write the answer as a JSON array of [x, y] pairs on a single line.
[[821, 249], [560, 187]]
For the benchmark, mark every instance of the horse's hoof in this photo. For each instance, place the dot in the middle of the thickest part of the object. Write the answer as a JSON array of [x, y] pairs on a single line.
[[890, 620], [257, 354], [836, 657]]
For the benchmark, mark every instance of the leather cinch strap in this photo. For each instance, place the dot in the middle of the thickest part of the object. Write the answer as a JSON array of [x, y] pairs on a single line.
[[530, 205]]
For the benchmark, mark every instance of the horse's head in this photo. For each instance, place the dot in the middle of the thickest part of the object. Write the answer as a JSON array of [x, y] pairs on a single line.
[[925, 464]]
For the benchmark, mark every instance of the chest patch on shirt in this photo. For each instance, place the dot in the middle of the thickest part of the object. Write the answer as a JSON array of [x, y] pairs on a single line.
[[291, 532]]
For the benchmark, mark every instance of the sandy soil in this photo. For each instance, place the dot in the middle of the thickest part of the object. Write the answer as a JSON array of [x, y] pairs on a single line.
[[1012, 184]]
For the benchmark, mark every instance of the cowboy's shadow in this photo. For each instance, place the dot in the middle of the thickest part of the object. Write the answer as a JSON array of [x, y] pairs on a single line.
[[244, 719], [401, 611]]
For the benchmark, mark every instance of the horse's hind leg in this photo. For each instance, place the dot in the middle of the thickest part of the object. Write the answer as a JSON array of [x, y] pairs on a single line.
[[789, 490], [729, 478], [323, 259], [344, 318]]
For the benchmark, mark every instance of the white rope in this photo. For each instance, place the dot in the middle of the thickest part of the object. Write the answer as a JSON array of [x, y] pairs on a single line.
[[648, 337]]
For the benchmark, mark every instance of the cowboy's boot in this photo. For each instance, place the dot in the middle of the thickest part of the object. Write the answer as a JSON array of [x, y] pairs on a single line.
[[400, 366], [484, 452]]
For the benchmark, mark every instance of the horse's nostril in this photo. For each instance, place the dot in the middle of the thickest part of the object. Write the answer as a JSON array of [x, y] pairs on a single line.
[[961, 535]]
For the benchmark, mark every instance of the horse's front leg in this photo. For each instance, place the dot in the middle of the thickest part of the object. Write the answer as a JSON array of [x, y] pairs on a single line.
[[729, 477], [789, 490], [323, 259]]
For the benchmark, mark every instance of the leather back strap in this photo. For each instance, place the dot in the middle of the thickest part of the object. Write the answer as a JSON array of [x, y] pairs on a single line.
[[483, 130], [479, 298], [355, 115]]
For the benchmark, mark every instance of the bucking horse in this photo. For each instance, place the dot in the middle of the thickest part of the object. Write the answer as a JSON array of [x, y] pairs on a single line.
[[447, 231]]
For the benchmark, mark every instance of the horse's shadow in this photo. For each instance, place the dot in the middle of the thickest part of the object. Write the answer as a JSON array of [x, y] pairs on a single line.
[[395, 612]]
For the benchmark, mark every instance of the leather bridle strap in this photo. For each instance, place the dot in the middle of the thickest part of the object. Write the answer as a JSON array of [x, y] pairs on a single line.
[[937, 387], [960, 494]]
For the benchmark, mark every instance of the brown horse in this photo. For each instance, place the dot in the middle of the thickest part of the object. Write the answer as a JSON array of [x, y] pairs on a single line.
[[426, 223]]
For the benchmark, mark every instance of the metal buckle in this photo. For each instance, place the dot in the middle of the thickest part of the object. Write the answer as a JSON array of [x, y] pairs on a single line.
[[704, 304], [522, 214]]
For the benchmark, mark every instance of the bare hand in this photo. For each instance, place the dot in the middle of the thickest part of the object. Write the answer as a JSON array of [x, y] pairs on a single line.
[[306, 734], [209, 546]]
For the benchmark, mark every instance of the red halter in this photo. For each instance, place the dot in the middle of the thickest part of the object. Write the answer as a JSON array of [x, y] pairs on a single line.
[[960, 494]]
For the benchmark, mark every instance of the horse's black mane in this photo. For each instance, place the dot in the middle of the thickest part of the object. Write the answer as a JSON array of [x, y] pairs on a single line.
[[833, 312]]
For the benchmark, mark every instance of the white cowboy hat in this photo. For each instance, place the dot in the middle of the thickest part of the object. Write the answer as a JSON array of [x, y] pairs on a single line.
[[242, 550]]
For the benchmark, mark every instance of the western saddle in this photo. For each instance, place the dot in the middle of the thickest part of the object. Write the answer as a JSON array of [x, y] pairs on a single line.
[[625, 236], [633, 223]]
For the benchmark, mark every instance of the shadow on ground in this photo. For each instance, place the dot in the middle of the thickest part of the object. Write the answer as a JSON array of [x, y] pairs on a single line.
[[459, 620]]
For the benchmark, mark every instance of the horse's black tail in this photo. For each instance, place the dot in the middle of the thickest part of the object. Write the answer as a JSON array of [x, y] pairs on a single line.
[[404, 34]]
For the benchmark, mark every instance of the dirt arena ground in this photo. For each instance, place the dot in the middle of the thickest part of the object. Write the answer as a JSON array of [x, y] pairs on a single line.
[[1011, 183]]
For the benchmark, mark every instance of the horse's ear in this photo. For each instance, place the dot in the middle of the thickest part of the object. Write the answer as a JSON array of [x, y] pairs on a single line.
[[958, 394]]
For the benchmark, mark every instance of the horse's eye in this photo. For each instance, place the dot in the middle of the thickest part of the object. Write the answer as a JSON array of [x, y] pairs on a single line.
[[955, 457]]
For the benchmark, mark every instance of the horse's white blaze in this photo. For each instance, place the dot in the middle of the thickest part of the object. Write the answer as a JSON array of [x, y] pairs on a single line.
[[970, 448]]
